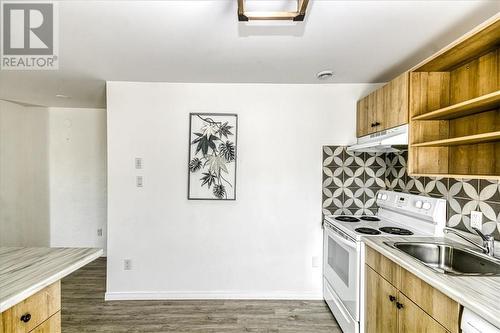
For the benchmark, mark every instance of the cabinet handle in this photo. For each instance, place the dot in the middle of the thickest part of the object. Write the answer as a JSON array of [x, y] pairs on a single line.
[[377, 124], [26, 317], [392, 298], [399, 305], [373, 125]]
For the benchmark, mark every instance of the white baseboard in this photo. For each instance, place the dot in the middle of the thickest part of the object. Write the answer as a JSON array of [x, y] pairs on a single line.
[[174, 295]]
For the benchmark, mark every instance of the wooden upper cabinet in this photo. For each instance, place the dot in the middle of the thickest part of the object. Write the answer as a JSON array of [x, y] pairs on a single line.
[[455, 108], [396, 95], [386, 107], [379, 110], [362, 117]]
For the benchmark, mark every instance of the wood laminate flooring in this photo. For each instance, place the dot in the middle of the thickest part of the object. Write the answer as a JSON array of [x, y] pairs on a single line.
[[84, 310]]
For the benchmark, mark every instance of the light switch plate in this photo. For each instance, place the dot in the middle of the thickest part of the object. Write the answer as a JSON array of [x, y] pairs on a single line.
[[127, 264], [138, 163], [99, 232], [139, 181], [476, 219]]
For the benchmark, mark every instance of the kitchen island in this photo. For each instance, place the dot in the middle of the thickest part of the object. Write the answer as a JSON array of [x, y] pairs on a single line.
[[30, 288]]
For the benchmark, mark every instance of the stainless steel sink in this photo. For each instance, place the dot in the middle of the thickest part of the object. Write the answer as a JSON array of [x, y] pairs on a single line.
[[450, 259]]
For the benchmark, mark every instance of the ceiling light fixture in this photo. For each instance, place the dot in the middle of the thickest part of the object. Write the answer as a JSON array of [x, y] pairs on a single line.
[[62, 96], [297, 15], [325, 75]]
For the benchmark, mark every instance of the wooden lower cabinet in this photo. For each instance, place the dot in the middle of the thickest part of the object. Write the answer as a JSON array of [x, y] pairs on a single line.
[[38, 313], [381, 313], [439, 306], [412, 319], [51, 325], [398, 301]]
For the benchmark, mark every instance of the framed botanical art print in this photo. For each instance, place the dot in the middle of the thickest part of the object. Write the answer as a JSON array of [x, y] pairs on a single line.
[[212, 156]]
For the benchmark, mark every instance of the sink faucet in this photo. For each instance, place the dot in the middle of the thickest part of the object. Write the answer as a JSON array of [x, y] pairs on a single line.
[[488, 246]]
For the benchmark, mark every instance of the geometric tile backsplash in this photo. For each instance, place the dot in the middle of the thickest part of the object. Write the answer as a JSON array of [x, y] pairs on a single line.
[[351, 181]]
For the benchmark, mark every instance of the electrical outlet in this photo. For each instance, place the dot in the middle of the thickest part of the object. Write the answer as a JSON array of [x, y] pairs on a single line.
[[138, 163], [139, 181], [476, 219], [315, 262], [127, 264], [99, 232]]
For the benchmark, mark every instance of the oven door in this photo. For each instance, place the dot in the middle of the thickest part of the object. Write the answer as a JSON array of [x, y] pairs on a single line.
[[341, 269]]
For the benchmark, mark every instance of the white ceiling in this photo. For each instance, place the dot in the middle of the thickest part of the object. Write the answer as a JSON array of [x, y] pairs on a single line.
[[201, 41]]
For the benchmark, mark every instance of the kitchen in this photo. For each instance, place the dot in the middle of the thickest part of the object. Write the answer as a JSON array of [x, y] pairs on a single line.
[[163, 193], [442, 110]]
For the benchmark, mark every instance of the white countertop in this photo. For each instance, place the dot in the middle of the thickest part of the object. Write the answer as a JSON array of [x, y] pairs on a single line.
[[480, 294], [25, 271]]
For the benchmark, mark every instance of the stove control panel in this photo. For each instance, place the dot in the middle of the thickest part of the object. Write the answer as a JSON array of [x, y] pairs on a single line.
[[416, 205]]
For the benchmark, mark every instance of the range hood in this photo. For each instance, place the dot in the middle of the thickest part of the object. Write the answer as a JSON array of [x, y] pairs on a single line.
[[387, 141]]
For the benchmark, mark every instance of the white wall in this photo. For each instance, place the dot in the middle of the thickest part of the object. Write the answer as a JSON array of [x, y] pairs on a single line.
[[261, 245], [24, 172], [77, 177], [52, 176]]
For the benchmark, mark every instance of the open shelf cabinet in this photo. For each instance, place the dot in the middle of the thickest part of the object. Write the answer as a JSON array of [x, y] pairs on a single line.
[[465, 108], [455, 108], [462, 140]]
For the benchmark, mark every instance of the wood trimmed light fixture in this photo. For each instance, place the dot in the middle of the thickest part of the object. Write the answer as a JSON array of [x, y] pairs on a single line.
[[298, 15]]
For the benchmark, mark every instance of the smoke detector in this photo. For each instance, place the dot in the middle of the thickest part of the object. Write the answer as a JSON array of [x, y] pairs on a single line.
[[325, 75]]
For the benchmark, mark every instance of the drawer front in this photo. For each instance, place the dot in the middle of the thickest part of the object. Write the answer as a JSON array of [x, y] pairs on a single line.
[[39, 307], [439, 306], [383, 266], [51, 325]]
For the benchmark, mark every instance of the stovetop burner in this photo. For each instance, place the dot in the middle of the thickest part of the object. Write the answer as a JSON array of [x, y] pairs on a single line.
[[396, 231], [344, 218], [370, 218], [367, 231]]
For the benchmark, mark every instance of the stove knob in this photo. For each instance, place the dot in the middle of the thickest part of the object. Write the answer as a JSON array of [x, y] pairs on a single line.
[[384, 196], [426, 205], [379, 196], [418, 204]]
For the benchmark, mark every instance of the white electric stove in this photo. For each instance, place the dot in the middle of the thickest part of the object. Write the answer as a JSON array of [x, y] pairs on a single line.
[[399, 214]]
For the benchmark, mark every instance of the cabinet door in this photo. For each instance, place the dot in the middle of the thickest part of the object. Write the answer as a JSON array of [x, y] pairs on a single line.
[[380, 312], [396, 101], [439, 306], [413, 319], [375, 111], [379, 111], [372, 112], [362, 117]]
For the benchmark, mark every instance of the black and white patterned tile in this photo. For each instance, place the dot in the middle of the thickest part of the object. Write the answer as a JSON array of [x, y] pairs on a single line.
[[352, 180], [463, 195]]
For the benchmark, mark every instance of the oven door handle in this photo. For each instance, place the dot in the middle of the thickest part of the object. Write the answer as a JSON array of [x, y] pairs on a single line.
[[338, 237]]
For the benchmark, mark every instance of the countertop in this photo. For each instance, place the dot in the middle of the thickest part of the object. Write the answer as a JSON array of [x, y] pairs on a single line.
[[25, 271], [480, 294]]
